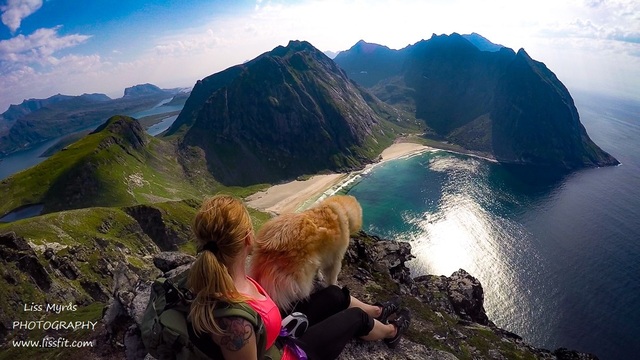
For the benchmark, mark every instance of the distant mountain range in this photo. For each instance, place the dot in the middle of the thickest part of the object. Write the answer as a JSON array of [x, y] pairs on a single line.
[[38, 120], [481, 96]]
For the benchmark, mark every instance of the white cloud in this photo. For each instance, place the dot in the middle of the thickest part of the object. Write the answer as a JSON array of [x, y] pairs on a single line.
[[16, 10], [29, 66], [38, 47], [587, 43], [609, 20], [197, 42]]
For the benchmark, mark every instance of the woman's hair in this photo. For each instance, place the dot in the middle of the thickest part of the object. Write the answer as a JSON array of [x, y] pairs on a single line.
[[221, 227]]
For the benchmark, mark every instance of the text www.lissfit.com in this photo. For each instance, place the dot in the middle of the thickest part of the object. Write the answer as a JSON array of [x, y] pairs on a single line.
[[51, 342]]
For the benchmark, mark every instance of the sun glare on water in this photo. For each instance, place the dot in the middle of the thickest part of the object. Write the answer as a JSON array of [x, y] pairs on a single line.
[[450, 237], [462, 232]]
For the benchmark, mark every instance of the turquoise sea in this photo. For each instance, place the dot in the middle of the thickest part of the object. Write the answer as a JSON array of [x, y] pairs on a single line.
[[558, 254]]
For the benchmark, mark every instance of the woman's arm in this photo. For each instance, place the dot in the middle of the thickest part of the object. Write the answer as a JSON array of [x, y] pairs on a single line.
[[238, 341]]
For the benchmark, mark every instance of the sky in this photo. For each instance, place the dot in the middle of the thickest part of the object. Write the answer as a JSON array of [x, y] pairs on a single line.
[[102, 46]]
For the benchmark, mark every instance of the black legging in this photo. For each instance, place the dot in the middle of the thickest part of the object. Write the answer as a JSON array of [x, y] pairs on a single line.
[[332, 324]]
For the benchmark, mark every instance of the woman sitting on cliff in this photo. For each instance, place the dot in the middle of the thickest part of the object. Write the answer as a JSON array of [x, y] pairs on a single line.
[[225, 237]]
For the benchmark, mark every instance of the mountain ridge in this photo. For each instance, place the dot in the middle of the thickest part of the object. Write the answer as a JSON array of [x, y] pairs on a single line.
[[118, 164], [289, 112], [37, 120], [471, 98]]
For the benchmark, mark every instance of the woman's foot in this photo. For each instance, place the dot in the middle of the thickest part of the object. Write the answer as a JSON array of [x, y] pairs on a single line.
[[387, 308], [401, 322]]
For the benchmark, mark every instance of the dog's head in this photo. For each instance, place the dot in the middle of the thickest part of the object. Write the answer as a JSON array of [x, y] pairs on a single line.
[[349, 206]]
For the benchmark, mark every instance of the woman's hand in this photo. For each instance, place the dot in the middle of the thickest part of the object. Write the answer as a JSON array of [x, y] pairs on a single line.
[[238, 341]]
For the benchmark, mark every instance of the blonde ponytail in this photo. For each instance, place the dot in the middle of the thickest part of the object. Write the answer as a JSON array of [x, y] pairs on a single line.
[[220, 226]]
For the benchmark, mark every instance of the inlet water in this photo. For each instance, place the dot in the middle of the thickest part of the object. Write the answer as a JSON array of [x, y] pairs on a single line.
[[557, 254]]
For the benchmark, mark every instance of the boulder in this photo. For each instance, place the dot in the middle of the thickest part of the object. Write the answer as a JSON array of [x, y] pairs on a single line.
[[467, 297], [169, 260]]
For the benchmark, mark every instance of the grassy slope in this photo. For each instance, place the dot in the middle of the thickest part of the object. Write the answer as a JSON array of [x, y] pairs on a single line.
[[86, 227], [75, 231], [95, 234], [102, 169]]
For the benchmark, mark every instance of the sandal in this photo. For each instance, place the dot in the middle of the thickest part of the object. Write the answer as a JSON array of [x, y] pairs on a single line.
[[401, 322], [388, 307]]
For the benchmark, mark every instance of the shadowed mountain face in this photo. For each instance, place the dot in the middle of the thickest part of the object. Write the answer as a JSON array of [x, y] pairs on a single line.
[[494, 101], [289, 112], [370, 63]]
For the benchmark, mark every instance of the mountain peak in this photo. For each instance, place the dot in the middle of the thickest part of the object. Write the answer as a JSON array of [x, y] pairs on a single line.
[[300, 45], [142, 90], [482, 43], [126, 128], [366, 47], [289, 112], [368, 63], [453, 38], [293, 47], [483, 100], [523, 53]]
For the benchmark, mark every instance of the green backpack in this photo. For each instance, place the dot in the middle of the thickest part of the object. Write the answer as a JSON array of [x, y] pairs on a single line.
[[164, 328]]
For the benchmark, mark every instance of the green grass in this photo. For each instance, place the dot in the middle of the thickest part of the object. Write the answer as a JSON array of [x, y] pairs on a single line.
[[78, 227], [94, 234], [103, 169]]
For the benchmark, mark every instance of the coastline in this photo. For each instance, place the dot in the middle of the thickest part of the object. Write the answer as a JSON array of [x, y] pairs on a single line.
[[297, 194]]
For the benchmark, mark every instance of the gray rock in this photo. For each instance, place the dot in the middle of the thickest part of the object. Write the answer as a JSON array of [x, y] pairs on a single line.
[[169, 260], [406, 350], [467, 297], [96, 290], [131, 293], [177, 271], [12, 241], [30, 265], [133, 346], [151, 221], [65, 266], [566, 354]]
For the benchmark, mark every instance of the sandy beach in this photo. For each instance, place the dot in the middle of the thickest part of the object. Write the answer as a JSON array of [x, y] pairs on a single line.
[[289, 197]]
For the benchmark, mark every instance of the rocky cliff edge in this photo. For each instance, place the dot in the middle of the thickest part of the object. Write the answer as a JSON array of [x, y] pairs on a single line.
[[449, 320]]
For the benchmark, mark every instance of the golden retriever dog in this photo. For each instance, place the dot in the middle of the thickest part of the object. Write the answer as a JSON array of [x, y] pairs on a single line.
[[290, 249]]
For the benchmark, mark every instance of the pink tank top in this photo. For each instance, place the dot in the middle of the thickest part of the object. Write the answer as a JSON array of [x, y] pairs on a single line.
[[270, 315]]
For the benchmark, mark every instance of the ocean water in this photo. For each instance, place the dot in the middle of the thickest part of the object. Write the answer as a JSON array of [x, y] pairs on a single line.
[[160, 127], [24, 159], [159, 108], [558, 254]]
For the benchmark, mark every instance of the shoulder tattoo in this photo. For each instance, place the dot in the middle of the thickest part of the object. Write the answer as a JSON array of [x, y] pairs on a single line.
[[237, 333]]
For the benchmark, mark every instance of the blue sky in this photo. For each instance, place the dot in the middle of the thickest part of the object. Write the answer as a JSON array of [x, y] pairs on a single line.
[[74, 47]]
